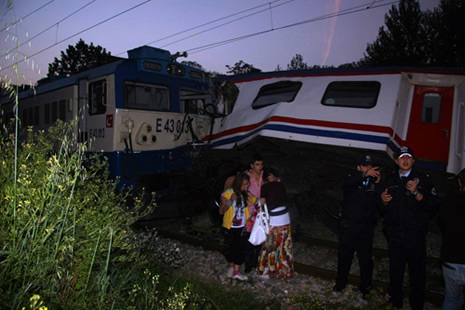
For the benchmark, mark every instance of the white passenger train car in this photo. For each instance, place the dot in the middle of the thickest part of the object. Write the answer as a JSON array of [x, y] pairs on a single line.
[[364, 108]]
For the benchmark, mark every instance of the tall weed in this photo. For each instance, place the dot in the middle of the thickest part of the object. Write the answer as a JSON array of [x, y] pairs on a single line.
[[64, 230]]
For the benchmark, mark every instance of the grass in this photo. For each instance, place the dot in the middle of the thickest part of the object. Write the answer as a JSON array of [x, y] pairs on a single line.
[[65, 232], [211, 295]]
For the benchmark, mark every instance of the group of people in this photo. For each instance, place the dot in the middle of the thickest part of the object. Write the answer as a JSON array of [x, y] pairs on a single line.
[[407, 199], [244, 194]]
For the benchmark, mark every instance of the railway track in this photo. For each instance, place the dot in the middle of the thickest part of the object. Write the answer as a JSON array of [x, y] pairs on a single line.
[[212, 242]]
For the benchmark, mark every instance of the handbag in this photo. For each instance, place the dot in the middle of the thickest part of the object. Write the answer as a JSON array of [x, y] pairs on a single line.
[[261, 227]]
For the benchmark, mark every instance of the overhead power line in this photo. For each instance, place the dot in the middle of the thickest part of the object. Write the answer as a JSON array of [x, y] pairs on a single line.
[[26, 16], [229, 22], [206, 24], [78, 33], [45, 30], [220, 19], [352, 10]]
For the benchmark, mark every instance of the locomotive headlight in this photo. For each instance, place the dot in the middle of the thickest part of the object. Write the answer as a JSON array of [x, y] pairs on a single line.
[[145, 134], [141, 138]]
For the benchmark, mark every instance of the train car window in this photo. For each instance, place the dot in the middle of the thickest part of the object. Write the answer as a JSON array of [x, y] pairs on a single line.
[[146, 97], [47, 114], [62, 114], [36, 116], [191, 106], [352, 94], [196, 75], [155, 66], [284, 91], [54, 111], [431, 110], [98, 97]]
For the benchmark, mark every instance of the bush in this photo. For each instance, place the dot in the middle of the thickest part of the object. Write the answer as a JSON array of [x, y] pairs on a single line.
[[65, 236]]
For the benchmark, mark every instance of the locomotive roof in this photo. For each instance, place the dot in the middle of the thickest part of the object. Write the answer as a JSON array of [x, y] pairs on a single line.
[[142, 52]]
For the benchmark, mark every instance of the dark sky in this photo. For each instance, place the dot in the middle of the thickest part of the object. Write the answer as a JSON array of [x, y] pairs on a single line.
[[215, 33]]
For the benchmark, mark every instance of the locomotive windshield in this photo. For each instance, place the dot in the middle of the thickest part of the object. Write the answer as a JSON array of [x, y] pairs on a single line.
[[143, 96]]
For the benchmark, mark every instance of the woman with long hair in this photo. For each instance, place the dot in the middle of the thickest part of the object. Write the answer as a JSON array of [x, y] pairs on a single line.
[[235, 211]]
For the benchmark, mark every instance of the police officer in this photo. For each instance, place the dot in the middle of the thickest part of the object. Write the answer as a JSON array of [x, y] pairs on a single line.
[[408, 199], [356, 227]]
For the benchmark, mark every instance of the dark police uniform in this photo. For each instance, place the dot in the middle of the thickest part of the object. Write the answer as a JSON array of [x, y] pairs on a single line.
[[356, 227], [406, 220]]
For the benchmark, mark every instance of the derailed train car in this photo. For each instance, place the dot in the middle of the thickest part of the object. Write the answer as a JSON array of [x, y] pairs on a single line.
[[377, 109]]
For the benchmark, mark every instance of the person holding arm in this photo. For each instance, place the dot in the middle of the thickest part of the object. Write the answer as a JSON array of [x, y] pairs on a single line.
[[357, 222], [407, 199]]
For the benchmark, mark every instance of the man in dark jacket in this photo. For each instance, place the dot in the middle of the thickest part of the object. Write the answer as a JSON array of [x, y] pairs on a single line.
[[408, 199], [451, 222], [357, 221]]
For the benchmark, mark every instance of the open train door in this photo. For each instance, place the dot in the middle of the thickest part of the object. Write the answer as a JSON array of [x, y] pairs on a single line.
[[430, 123]]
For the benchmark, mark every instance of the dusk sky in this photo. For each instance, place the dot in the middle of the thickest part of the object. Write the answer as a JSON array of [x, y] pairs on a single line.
[[215, 33]]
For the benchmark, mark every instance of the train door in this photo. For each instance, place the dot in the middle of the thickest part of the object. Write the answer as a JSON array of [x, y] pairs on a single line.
[[430, 122], [82, 111]]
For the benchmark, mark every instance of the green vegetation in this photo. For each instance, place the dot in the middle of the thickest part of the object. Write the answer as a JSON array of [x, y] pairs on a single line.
[[64, 229], [65, 232], [66, 237]]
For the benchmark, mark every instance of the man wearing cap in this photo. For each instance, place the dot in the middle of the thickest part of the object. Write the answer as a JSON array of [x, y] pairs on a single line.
[[357, 222], [451, 221], [408, 199]]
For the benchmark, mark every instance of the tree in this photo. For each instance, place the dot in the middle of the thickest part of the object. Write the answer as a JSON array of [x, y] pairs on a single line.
[[241, 68], [321, 67], [79, 58], [403, 41], [297, 63], [349, 65], [446, 35]]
